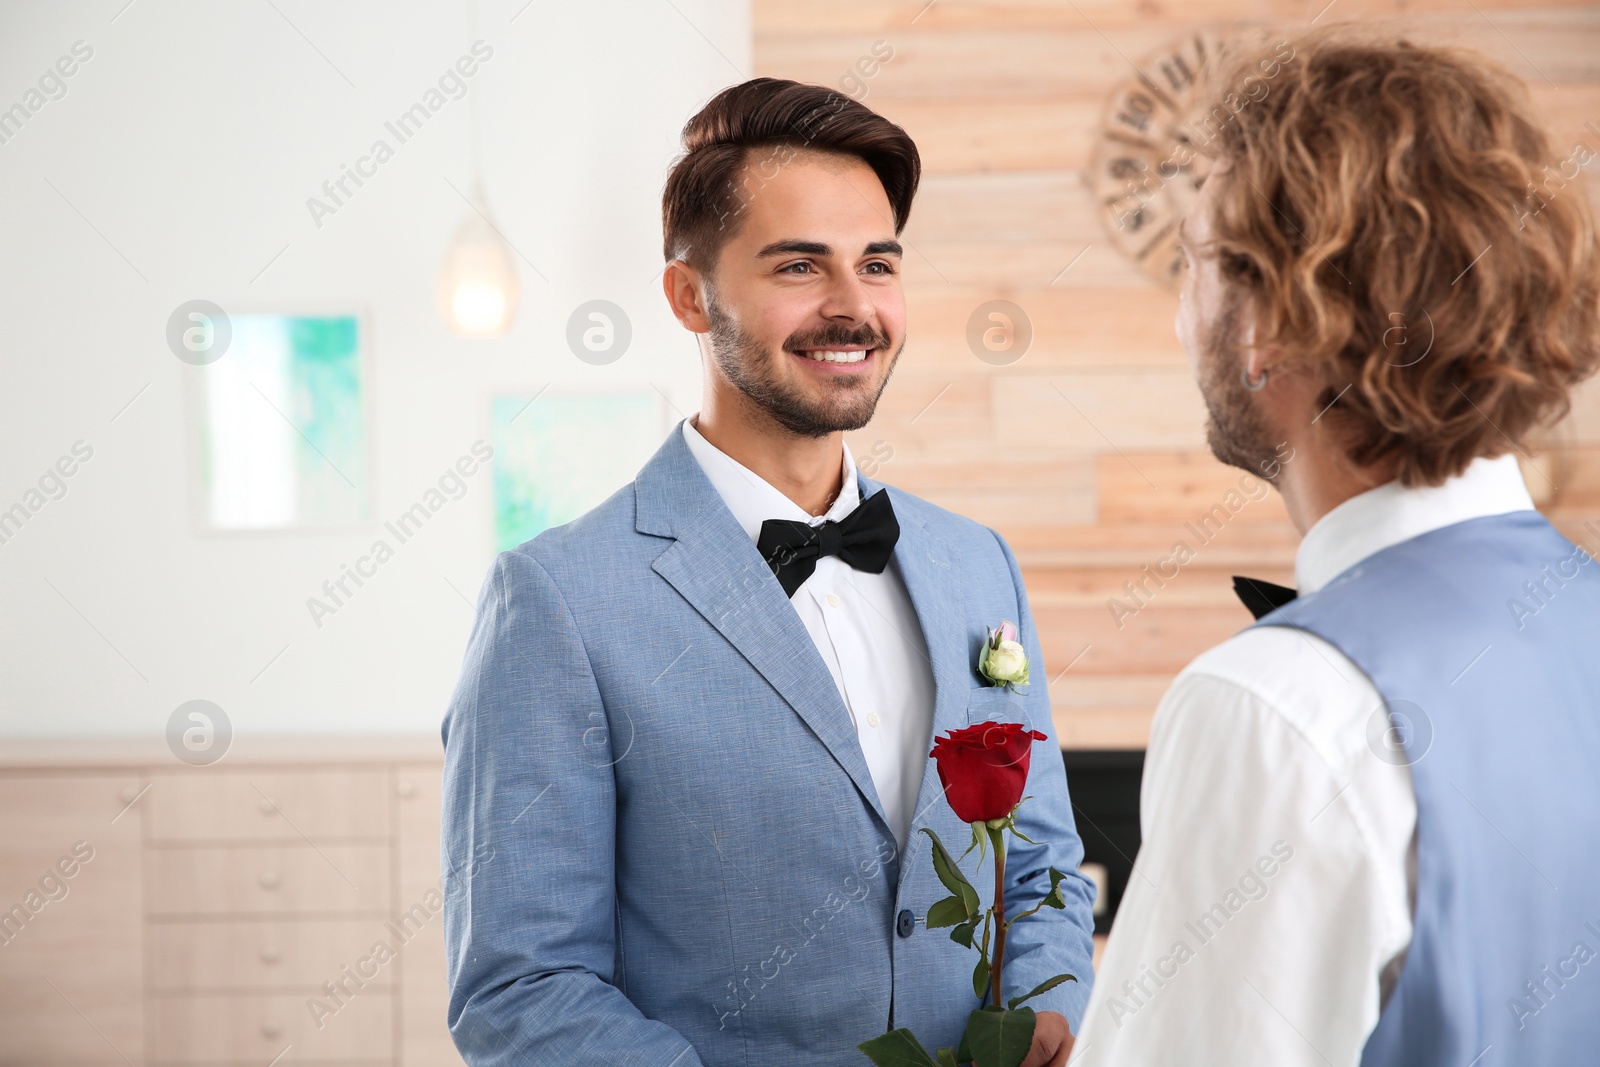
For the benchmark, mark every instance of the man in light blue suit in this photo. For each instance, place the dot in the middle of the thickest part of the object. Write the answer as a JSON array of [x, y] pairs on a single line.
[[688, 755]]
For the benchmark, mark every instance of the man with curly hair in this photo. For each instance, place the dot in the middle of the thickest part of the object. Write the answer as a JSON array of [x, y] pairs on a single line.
[[1372, 820]]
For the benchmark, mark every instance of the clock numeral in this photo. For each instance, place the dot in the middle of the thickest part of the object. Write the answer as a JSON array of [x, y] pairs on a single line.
[[1125, 169], [1179, 76], [1136, 111]]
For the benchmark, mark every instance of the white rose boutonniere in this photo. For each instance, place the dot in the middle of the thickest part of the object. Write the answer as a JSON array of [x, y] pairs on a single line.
[[1003, 660]]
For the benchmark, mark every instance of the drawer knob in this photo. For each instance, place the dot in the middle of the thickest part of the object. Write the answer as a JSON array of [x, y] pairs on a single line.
[[271, 956], [269, 880], [271, 1031], [406, 789], [267, 806]]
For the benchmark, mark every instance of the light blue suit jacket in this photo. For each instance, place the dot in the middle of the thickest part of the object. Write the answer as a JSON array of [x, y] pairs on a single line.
[[661, 841]]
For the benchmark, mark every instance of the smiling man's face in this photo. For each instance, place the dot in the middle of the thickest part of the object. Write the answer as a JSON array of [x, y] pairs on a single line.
[[806, 314]]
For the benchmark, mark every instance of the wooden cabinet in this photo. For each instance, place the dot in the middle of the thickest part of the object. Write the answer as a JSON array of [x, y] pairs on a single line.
[[281, 906]]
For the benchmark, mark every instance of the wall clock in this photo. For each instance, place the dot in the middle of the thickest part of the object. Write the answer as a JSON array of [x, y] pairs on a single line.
[[1150, 153]]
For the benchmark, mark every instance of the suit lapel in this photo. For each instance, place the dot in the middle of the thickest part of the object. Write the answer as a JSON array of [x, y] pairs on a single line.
[[715, 566]]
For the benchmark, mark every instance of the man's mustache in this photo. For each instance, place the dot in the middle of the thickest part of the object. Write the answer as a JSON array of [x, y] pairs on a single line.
[[837, 337]]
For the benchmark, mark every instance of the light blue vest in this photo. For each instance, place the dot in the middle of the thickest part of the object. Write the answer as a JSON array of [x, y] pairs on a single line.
[[1484, 640]]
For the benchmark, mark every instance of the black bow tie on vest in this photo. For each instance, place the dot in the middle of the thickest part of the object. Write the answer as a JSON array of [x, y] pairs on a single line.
[[864, 539], [1262, 597]]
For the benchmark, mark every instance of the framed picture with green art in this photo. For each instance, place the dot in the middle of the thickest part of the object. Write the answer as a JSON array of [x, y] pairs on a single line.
[[558, 454], [279, 423]]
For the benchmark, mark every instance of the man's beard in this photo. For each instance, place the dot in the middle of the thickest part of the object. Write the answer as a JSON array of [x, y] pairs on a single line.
[[753, 370], [1236, 429]]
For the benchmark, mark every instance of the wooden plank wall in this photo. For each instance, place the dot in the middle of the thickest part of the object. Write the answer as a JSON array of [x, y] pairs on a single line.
[[1088, 453]]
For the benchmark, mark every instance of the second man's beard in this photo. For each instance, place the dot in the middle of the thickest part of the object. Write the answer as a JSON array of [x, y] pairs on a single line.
[[751, 367], [1236, 429]]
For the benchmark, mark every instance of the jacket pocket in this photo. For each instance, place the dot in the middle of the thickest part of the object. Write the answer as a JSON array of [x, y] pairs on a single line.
[[995, 703]]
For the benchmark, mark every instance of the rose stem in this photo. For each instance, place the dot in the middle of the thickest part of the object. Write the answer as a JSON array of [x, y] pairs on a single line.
[[999, 910]]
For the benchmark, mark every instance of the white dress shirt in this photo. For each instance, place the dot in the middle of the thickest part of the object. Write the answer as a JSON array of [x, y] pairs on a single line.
[[863, 625], [1271, 903]]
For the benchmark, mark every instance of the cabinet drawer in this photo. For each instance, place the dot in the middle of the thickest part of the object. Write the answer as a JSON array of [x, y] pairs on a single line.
[[255, 1029], [83, 930], [264, 880], [245, 805], [261, 954]]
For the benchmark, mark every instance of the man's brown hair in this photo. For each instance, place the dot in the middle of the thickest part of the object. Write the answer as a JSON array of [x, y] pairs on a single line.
[[1377, 185], [737, 142]]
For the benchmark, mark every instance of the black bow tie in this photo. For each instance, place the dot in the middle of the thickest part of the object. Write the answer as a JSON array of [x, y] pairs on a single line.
[[864, 539], [1262, 597]]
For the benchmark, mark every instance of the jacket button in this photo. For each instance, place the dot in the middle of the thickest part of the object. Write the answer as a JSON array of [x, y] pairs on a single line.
[[905, 923]]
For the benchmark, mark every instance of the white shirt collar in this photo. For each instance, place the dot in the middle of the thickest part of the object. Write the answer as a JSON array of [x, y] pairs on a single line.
[[1379, 518], [752, 499]]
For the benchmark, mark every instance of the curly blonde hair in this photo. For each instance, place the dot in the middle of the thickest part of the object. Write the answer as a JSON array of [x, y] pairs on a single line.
[[1377, 184]]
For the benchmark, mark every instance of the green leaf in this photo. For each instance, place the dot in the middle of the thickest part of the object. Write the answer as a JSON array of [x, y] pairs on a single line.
[[1000, 1038], [980, 841], [897, 1048], [1054, 899], [1042, 987], [962, 935], [980, 977], [947, 1058], [948, 912], [951, 875]]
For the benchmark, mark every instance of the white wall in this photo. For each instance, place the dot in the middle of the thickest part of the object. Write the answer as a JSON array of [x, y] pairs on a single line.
[[191, 141]]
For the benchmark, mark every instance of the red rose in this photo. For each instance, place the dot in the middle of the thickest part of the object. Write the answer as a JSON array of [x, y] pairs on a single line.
[[984, 768]]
